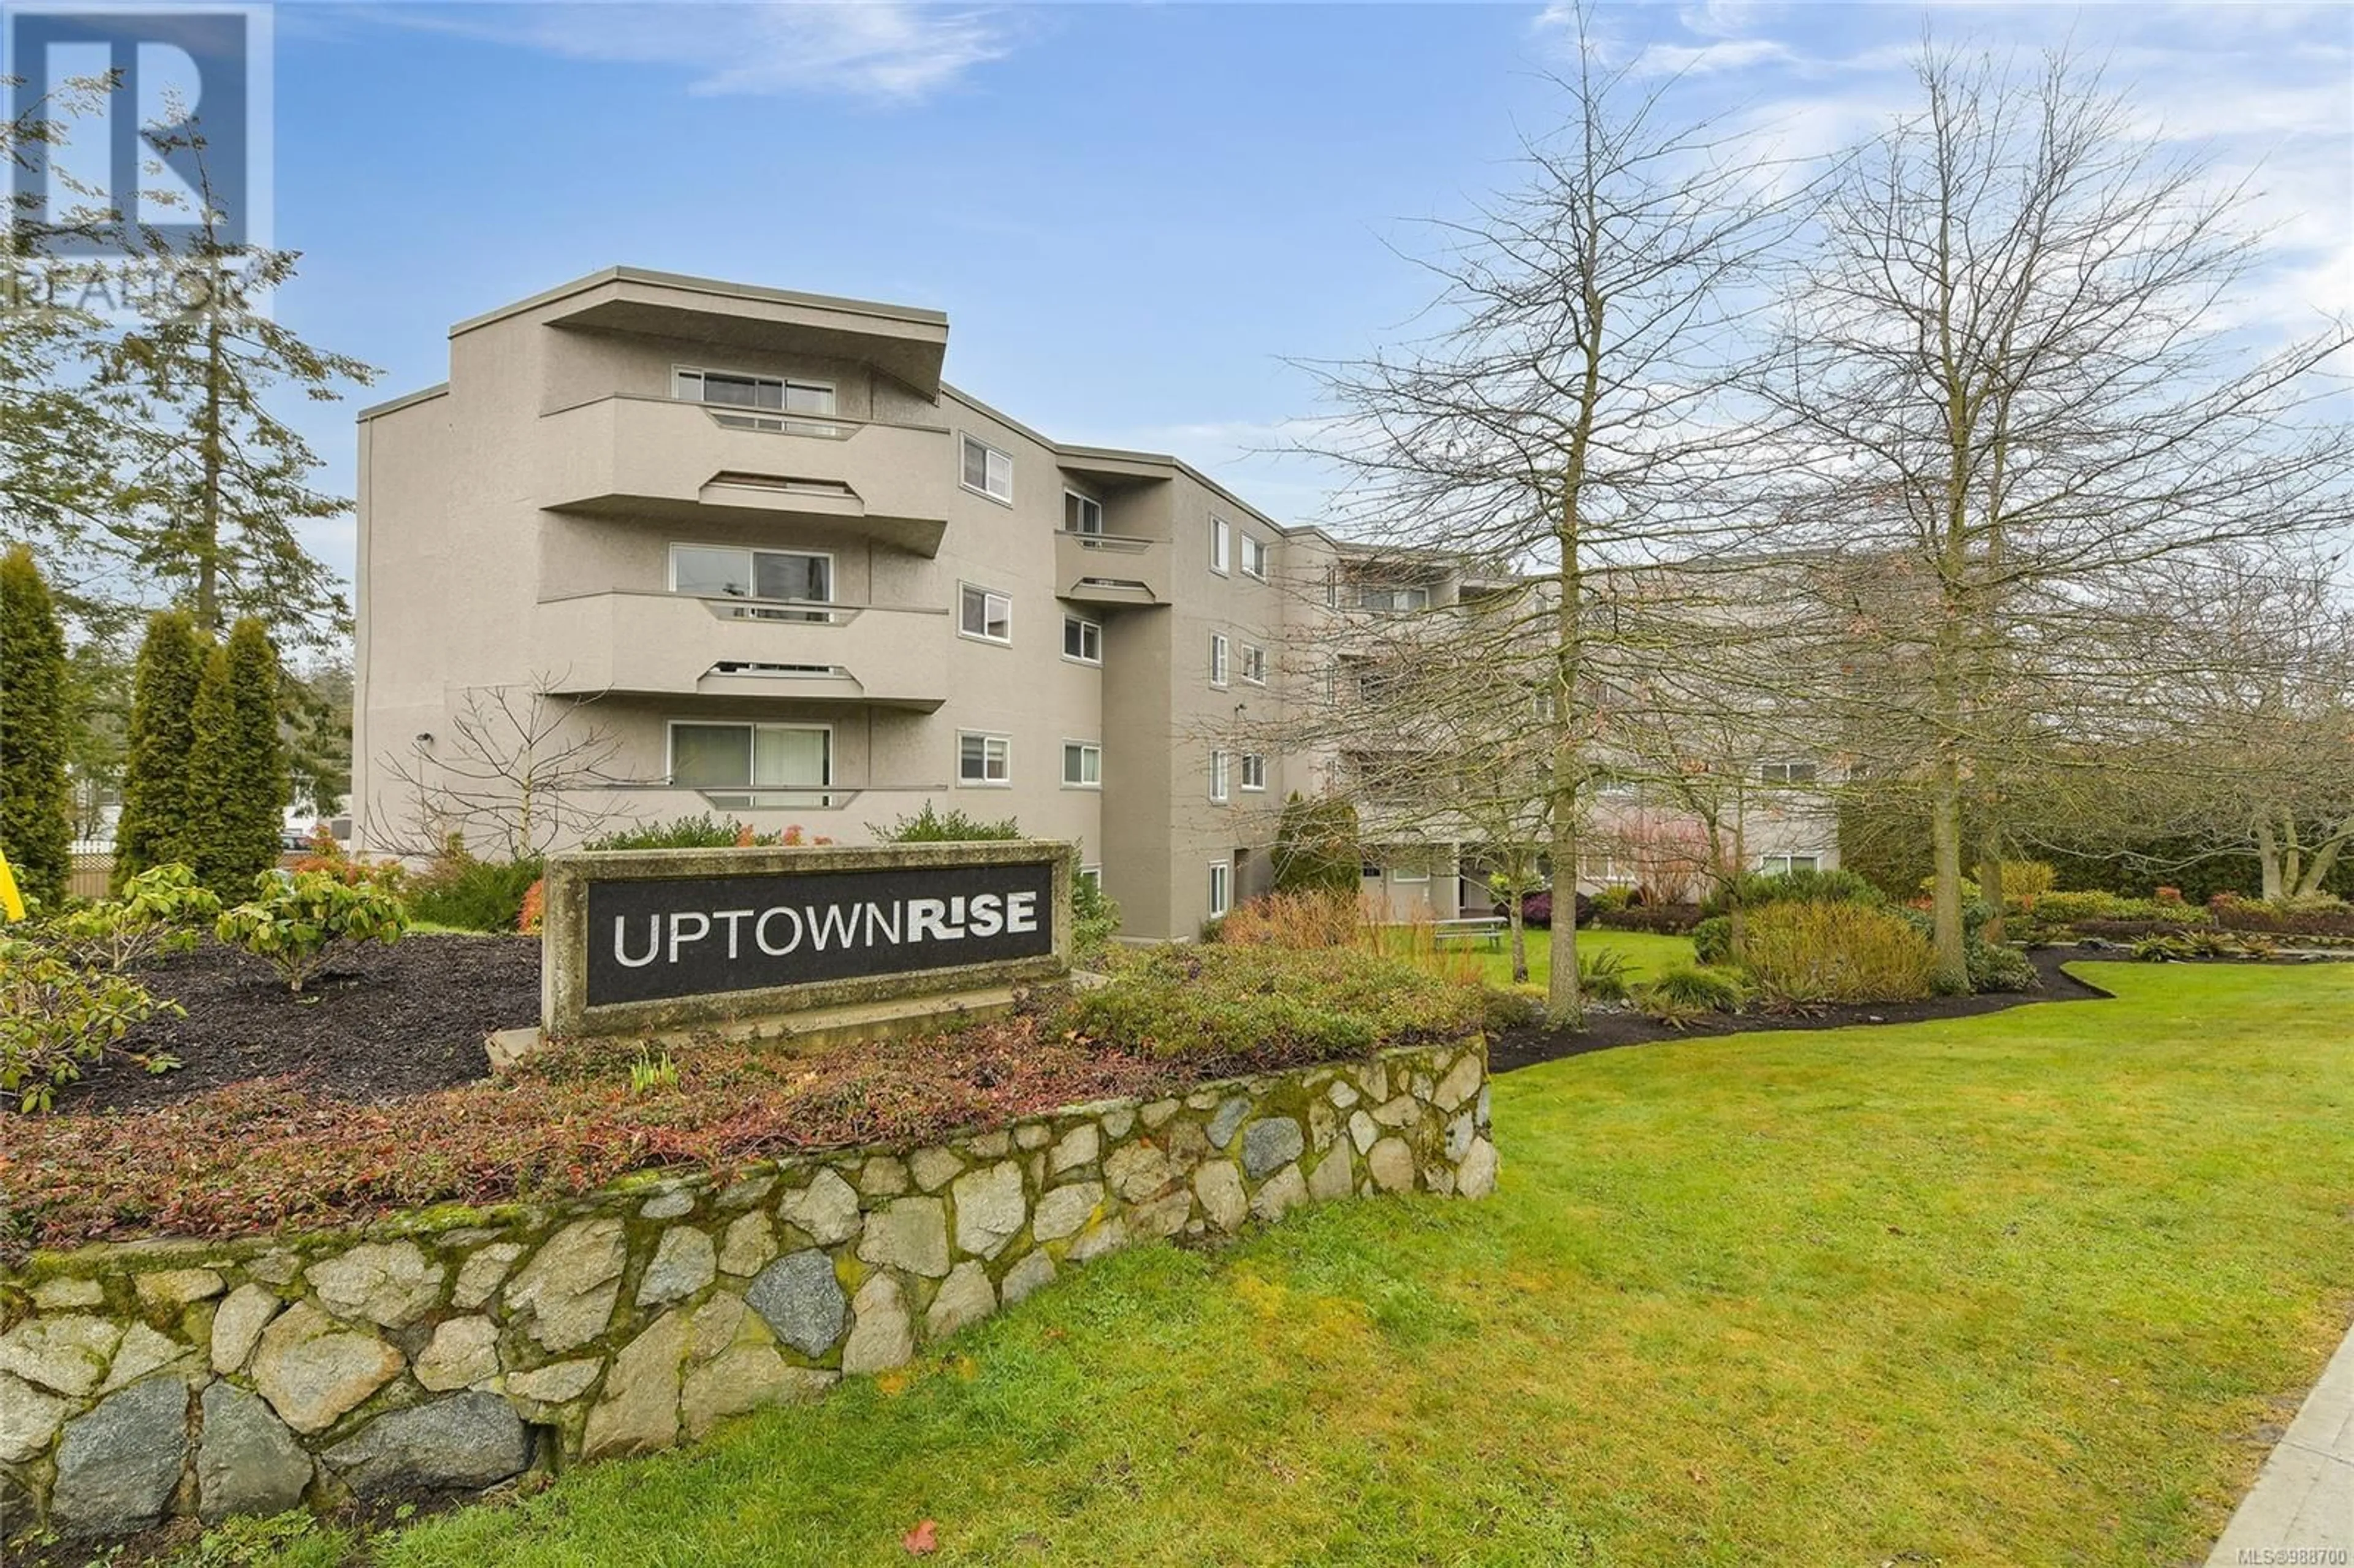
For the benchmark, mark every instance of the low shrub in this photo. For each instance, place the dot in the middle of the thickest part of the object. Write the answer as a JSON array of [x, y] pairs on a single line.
[[296, 917], [1713, 990], [1665, 919], [1755, 889], [2025, 881], [701, 832], [1805, 953], [1299, 920], [1503, 1010], [1095, 918], [1615, 896], [932, 826], [1711, 939], [162, 909], [2072, 908], [1271, 1005], [56, 1016], [2319, 915], [1536, 910], [1602, 976], [327, 854], [471, 894], [1999, 967]]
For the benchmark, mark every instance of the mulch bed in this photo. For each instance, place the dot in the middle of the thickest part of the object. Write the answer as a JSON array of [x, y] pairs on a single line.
[[1607, 1031], [378, 1023]]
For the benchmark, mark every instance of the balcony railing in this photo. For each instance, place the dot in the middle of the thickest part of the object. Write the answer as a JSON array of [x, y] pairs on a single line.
[[668, 644], [1111, 568], [667, 460]]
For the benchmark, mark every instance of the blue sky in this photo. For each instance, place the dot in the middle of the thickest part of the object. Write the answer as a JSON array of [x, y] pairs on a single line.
[[1132, 213]]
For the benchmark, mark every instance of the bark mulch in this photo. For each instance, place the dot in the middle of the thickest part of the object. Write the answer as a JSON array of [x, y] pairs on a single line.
[[1607, 1031], [378, 1023]]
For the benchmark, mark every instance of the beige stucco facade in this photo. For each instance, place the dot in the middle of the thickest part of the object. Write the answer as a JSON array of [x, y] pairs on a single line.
[[525, 528]]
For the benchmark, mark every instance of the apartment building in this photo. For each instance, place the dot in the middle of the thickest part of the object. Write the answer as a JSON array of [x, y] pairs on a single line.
[[748, 553]]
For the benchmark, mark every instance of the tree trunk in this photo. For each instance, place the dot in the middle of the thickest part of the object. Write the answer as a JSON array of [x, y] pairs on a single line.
[[1519, 935], [1946, 897], [2268, 860]]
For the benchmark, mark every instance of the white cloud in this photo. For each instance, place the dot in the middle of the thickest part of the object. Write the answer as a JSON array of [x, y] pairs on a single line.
[[887, 50]]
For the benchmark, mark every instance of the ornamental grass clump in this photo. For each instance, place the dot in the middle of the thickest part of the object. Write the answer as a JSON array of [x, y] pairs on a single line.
[[1272, 1006], [296, 917], [1805, 952]]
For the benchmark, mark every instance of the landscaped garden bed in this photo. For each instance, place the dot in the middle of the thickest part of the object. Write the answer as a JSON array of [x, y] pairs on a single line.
[[379, 1022]]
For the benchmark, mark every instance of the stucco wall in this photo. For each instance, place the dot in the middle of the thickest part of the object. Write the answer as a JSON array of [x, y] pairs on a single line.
[[453, 1350]]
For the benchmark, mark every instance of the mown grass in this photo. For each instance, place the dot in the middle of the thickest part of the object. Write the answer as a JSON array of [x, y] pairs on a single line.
[[2012, 1289], [1645, 954]]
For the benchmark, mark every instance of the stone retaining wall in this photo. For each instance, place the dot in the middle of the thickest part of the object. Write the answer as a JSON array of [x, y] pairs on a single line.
[[456, 1349]]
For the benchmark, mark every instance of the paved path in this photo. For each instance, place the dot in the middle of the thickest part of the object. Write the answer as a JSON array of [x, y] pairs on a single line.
[[2302, 1508]]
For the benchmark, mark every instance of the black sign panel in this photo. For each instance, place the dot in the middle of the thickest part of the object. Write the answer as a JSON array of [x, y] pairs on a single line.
[[682, 937]]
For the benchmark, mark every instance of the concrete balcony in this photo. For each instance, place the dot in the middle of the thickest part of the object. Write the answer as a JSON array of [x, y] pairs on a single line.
[[672, 645], [1111, 568], [667, 460]]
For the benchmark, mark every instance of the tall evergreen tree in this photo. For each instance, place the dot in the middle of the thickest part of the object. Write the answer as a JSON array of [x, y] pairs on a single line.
[[34, 806], [237, 768], [226, 484], [155, 828]]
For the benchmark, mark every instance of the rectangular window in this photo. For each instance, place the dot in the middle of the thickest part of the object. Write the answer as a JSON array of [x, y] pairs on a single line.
[[1413, 868], [1392, 598], [733, 391], [984, 760], [1777, 864], [1082, 764], [984, 614], [1081, 514], [1220, 765], [1221, 542], [1092, 876], [1787, 772], [1082, 641], [1254, 770], [1254, 664], [1254, 557], [988, 471], [1222, 886], [724, 571], [719, 757], [1218, 658]]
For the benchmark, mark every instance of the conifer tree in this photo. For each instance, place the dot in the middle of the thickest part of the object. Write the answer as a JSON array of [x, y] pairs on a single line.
[[34, 805], [237, 773], [155, 828]]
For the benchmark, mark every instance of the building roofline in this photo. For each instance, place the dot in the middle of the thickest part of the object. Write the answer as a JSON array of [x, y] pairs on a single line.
[[407, 399], [717, 288]]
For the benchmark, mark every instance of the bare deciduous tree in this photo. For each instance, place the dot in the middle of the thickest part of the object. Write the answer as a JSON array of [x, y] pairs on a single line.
[[518, 771], [2012, 372]]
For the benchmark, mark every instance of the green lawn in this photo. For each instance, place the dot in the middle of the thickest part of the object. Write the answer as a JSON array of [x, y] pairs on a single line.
[[2012, 1289], [1644, 954]]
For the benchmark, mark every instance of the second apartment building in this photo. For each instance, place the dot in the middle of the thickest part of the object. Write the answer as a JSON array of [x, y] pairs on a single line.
[[752, 542]]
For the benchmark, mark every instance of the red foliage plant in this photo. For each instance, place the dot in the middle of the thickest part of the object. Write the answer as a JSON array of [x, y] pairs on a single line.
[[272, 1153]]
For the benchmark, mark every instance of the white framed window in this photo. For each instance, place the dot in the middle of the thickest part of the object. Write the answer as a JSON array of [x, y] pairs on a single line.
[[1777, 864], [1255, 554], [984, 613], [1254, 770], [732, 571], [1082, 764], [1082, 639], [1081, 514], [1222, 886], [1792, 772], [731, 389], [1392, 598], [1413, 871], [742, 758], [985, 470], [1220, 771], [1092, 875], [1254, 664], [984, 761], [1218, 652], [1222, 538]]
